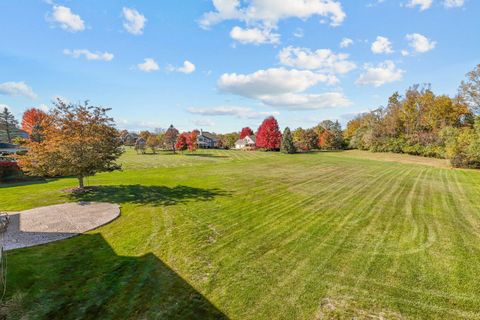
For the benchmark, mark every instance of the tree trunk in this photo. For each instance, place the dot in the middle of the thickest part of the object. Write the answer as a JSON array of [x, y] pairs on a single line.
[[7, 129], [80, 182]]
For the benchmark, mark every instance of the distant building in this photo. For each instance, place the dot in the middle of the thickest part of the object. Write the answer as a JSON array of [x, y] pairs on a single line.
[[248, 142], [8, 148], [15, 133], [207, 140]]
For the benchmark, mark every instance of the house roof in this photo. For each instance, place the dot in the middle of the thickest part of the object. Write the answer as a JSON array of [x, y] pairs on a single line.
[[254, 139], [16, 132], [208, 135], [7, 146], [240, 141]]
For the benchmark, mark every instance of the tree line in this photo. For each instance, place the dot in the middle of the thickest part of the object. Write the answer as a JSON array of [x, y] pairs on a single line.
[[423, 123], [327, 135]]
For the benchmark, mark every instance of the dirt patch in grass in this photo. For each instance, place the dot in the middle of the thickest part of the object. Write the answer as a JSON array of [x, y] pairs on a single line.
[[345, 309], [398, 157]]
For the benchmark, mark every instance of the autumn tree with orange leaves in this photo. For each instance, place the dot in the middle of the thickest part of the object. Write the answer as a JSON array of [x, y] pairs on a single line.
[[79, 140], [33, 122]]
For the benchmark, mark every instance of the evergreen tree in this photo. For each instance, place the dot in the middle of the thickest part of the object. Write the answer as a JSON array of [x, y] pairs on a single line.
[[287, 142], [8, 123]]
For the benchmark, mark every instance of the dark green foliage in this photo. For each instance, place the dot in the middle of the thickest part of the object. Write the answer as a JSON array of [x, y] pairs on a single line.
[[287, 142], [8, 124]]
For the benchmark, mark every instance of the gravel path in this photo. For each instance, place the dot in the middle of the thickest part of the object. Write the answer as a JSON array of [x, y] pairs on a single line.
[[46, 224]]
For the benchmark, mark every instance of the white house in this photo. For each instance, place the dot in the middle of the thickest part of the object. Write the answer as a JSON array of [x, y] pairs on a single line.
[[247, 142]]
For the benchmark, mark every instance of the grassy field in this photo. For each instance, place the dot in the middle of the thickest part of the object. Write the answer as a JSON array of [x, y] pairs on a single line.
[[251, 235]]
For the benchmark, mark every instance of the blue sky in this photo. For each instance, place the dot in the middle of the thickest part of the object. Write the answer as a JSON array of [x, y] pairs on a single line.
[[225, 64]]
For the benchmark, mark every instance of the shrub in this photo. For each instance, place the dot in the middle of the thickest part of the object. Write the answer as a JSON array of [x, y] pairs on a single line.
[[9, 170]]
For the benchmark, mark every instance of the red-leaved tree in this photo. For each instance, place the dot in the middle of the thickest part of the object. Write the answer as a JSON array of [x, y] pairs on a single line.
[[269, 136], [325, 139], [246, 132], [192, 140], [33, 122], [182, 141]]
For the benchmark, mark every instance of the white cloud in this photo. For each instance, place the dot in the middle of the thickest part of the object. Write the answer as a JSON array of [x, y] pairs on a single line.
[[405, 53], [308, 101], [138, 125], [298, 33], [423, 4], [381, 74], [254, 35], [382, 45], [187, 68], [268, 12], [134, 21], [148, 65], [203, 122], [420, 43], [346, 42], [323, 60], [89, 55], [43, 107], [67, 19], [283, 88], [273, 81], [453, 3], [238, 112], [16, 89]]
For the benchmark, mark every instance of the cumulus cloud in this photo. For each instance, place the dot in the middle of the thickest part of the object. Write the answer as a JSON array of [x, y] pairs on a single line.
[[453, 3], [283, 88], [67, 19], [273, 81], [238, 112], [148, 65], [89, 55], [268, 12], [422, 4], [382, 45], [187, 68], [420, 43], [255, 36], [381, 74], [43, 107], [308, 101], [134, 21], [17, 89], [322, 60], [346, 42]]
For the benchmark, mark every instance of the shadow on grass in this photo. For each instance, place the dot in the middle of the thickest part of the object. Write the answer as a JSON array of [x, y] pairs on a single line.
[[83, 278], [24, 182], [152, 195], [204, 155]]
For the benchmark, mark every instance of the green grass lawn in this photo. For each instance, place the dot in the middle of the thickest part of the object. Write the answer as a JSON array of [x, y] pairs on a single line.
[[252, 235]]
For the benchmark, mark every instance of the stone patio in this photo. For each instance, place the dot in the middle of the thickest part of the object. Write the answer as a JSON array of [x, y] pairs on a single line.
[[52, 223]]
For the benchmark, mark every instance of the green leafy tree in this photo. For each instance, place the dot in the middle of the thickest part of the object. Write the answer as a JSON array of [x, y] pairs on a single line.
[[287, 142]]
